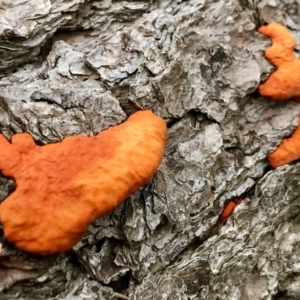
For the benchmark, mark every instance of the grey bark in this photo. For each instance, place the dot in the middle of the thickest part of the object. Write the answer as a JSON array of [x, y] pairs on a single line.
[[78, 67]]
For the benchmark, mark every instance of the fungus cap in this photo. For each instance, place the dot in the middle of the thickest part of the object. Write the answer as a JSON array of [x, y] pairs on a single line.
[[62, 187], [284, 83], [288, 150]]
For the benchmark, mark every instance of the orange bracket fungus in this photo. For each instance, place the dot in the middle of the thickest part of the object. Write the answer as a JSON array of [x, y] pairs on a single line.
[[62, 187], [284, 83], [227, 211], [288, 151]]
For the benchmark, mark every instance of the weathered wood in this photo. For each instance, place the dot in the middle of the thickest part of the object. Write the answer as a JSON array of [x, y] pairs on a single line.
[[78, 67]]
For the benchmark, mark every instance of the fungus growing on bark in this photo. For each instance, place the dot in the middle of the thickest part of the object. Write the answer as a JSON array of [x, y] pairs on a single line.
[[62, 187], [288, 151], [284, 83], [227, 211]]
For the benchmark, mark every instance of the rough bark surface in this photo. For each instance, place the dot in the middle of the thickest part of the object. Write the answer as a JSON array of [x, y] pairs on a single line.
[[78, 67]]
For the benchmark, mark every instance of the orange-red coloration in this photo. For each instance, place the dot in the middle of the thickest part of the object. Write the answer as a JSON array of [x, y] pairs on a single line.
[[284, 83], [227, 211], [62, 187], [288, 151]]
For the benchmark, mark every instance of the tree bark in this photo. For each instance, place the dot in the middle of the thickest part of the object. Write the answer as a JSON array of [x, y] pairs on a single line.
[[79, 67]]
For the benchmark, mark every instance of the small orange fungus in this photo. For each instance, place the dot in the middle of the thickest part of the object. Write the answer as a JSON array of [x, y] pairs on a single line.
[[228, 210], [288, 151], [284, 83], [62, 187]]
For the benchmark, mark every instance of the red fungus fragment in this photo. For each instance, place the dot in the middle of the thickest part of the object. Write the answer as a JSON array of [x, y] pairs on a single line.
[[227, 211], [62, 187], [284, 83]]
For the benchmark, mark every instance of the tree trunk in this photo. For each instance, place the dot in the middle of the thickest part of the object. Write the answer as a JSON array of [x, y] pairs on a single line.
[[79, 67]]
